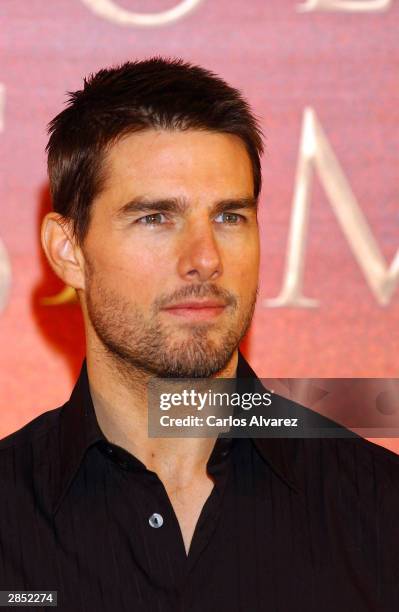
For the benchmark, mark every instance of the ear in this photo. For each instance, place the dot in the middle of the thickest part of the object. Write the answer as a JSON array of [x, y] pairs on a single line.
[[63, 254]]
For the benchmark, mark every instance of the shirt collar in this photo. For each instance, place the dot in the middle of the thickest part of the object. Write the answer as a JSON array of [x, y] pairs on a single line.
[[79, 430], [279, 453]]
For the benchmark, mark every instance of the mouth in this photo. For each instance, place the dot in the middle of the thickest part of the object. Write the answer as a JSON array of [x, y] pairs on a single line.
[[199, 310]]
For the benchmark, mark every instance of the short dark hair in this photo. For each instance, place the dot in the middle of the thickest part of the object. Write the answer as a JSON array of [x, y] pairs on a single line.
[[156, 93]]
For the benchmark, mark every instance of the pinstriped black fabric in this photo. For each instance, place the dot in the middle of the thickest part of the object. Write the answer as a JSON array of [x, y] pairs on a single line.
[[290, 525]]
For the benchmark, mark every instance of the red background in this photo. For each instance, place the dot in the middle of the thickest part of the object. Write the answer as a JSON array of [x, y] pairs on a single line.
[[342, 64]]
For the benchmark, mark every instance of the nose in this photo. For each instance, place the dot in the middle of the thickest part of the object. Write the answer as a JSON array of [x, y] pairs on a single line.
[[199, 254]]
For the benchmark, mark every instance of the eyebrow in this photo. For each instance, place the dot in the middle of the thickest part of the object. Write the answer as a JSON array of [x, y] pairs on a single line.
[[180, 205]]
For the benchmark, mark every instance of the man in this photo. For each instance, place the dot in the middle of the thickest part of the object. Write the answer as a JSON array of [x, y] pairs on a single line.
[[155, 176]]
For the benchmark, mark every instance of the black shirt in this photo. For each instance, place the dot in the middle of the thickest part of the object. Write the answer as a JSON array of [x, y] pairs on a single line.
[[291, 524]]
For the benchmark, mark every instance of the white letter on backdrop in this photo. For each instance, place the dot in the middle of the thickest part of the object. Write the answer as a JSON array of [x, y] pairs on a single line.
[[5, 268], [109, 10], [346, 6], [316, 152]]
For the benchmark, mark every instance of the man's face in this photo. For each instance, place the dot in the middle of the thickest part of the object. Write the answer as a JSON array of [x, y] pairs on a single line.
[[172, 252]]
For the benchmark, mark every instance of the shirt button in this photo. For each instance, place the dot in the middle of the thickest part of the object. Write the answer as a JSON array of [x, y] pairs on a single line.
[[155, 520]]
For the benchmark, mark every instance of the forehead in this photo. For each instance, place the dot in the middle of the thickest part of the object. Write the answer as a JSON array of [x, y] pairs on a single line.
[[151, 161]]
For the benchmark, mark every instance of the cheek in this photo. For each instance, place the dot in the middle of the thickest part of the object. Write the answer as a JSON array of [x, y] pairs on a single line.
[[136, 273], [243, 266]]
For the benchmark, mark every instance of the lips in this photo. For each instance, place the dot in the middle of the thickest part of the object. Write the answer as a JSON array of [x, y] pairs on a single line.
[[197, 304], [197, 309]]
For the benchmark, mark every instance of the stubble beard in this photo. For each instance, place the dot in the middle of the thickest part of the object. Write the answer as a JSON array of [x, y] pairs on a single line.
[[147, 345]]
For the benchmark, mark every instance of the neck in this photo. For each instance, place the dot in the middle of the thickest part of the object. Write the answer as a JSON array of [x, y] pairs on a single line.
[[119, 393]]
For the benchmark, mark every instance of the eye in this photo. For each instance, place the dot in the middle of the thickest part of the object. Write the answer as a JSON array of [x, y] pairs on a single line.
[[230, 218], [152, 219]]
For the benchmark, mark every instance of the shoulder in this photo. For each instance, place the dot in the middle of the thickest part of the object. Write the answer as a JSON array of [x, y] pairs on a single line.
[[381, 454], [353, 465], [32, 432], [29, 467], [331, 449], [355, 450], [29, 460], [371, 457]]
